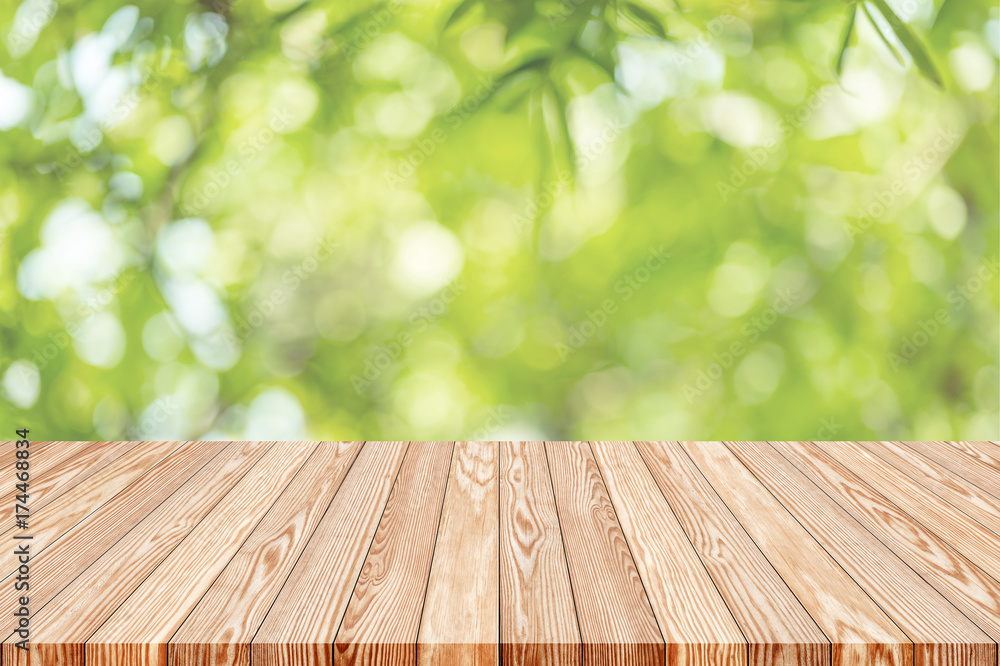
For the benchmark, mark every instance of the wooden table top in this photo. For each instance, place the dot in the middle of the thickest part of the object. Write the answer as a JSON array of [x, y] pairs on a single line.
[[440, 553]]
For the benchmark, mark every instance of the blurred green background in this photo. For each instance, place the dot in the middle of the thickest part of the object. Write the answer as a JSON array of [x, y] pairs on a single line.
[[562, 219]]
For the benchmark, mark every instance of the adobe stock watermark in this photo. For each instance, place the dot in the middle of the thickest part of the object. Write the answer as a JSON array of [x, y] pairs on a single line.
[[757, 156], [221, 177], [927, 329], [586, 153], [87, 310], [381, 357], [426, 146], [626, 287], [27, 29], [91, 138], [265, 307], [158, 413], [752, 331], [828, 427], [496, 418], [543, 200], [690, 50], [889, 195]]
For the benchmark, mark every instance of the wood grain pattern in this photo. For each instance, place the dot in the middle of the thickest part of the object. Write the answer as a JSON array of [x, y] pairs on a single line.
[[538, 624], [8, 458], [53, 520], [861, 633], [972, 591], [978, 473], [71, 610], [382, 619], [45, 458], [529, 553], [60, 472], [158, 607], [970, 500], [301, 626], [696, 625], [617, 624], [460, 621], [935, 626], [779, 630], [40, 461], [219, 630], [967, 536], [55, 568], [985, 452]]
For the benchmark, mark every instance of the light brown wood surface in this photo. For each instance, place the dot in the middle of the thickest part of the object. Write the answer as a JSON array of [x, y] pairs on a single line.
[[537, 617], [968, 537], [523, 553], [58, 468], [859, 630], [461, 616], [696, 625], [8, 458], [157, 608], [85, 602], [928, 619], [56, 518], [974, 471], [970, 500], [219, 630], [984, 452], [89, 540], [778, 629], [970, 589], [617, 624], [301, 625], [382, 618]]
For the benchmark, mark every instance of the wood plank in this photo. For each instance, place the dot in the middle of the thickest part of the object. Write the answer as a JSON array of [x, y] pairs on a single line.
[[779, 630], [158, 607], [940, 633], [695, 622], [53, 453], [973, 502], [219, 630], [301, 626], [221, 553], [383, 616], [617, 623], [859, 629], [970, 469], [42, 459], [965, 535], [67, 466], [8, 459], [987, 453], [70, 604], [461, 616], [538, 624], [55, 568], [965, 585], [52, 521]]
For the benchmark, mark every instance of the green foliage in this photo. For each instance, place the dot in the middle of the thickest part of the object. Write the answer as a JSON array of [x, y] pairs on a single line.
[[480, 218]]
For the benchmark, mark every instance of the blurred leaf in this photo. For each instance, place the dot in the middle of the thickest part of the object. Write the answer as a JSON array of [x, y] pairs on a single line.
[[885, 39], [565, 137], [643, 19], [515, 88], [845, 38], [461, 10], [910, 42]]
